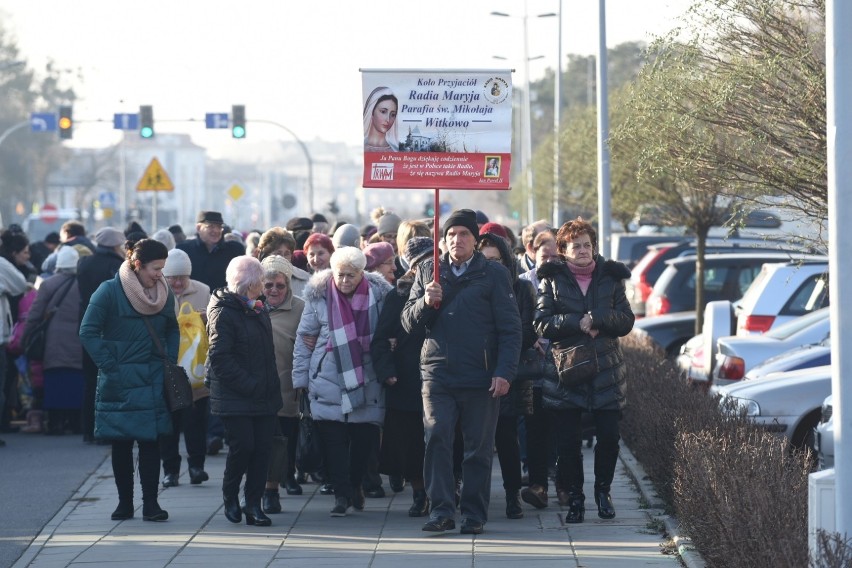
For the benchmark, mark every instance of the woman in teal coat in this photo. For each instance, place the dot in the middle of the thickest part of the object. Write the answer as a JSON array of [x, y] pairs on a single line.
[[129, 403]]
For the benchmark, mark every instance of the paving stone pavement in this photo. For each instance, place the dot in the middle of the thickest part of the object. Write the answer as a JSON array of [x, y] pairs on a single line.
[[382, 536]]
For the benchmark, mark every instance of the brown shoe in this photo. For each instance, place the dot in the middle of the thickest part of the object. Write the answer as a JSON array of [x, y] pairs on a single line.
[[535, 495], [564, 497]]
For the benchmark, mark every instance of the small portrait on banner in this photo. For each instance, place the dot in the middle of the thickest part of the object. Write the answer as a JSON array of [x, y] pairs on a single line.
[[492, 166]]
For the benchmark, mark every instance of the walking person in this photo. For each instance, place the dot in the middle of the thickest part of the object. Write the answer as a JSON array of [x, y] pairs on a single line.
[[130, 406], [468, 361], [191, 421], [244, 388], [333, 362], [582, 298]]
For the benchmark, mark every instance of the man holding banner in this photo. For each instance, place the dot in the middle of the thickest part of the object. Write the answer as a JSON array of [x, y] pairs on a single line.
[[469, 358]]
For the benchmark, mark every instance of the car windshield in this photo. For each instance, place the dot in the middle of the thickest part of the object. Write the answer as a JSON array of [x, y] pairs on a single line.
[[787, 329]]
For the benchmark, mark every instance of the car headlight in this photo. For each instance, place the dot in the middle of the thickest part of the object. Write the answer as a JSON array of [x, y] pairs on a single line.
[[734, 405]]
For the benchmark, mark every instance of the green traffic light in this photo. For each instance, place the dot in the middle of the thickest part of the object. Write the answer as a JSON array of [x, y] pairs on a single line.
[[146, 132], [238, 132]]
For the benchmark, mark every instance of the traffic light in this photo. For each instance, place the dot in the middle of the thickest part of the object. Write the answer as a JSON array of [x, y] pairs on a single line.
[[146, 121], [66, 123], [238, 121]]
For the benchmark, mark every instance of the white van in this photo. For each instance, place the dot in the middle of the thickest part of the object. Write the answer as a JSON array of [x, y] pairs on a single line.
[[37, 227]]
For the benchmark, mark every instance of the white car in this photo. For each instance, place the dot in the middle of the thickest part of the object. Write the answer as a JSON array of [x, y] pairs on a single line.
[[788, 404], [737, 355], [824, 437]]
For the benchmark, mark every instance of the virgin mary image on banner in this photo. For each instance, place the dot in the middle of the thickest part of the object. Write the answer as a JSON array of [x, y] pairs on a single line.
[[380, 130]]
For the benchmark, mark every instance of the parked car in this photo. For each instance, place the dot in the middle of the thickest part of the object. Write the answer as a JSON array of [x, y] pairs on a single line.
[[736, 355], [726, 277], [789, 404], [824, 435], [782, 292], [669, 331], [804, 357], [647, 271], [630, 247]]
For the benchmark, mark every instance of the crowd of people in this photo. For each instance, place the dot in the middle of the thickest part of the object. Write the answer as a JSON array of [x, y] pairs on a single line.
[[415, 365]]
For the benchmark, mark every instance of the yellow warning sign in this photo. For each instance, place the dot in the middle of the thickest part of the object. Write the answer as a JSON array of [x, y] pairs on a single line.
[[155, 178], [235, 192]]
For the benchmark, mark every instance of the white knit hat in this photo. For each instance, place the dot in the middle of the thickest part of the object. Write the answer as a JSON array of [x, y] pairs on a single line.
[[277, 263], [177, 264], [67, 257]]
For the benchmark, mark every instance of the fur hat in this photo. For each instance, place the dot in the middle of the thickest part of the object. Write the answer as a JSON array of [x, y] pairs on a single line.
[[346, 236], [177, 264], [67, 257], [109, 237], [377, 253], [462, 217], [389, 223], [417, 249]]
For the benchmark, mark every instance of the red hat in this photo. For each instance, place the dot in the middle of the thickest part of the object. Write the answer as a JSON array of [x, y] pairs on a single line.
[[495, 229]]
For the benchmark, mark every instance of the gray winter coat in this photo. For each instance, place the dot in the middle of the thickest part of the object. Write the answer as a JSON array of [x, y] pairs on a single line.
[[317, 370], [62, 336]]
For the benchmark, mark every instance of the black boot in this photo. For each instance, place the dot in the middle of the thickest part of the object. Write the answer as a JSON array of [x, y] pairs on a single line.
[[513, 505], [606, 510], [420, 507], [255, 516], [124, 510], [232, 509], [151, 511], [271, 501], [576, 508]]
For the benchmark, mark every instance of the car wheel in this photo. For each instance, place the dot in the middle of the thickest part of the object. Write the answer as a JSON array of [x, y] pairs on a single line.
[[803, 437]]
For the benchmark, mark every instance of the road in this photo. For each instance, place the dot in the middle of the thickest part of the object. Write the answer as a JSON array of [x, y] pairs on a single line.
[[38, 474]]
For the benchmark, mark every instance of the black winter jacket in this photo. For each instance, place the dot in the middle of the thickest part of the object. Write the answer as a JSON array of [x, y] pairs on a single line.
[[476, 333], [209, 266], [94, 269], [241, 370], [402, 362], [561, 305]]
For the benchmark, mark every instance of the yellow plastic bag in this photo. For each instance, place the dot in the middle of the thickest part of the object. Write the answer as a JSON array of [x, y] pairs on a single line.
[[192, 354]]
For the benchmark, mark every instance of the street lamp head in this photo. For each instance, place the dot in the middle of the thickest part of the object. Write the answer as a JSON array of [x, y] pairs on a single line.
[[502, 14], [548, 15]]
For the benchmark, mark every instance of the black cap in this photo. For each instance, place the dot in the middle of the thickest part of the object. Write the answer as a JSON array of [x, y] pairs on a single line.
[[210, 217], [462, 217], [299, 224]]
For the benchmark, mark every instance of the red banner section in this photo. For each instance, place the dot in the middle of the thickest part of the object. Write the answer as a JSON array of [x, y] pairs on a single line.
[[416, 170]]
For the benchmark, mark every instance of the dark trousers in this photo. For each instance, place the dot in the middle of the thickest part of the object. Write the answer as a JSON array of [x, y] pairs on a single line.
[[402, 444], [149, 469], [346, 450], [509, 452], [569, 439], [249, 441], [538, 436], [290, 429], [2, 376], [477, 411], [193, 422]]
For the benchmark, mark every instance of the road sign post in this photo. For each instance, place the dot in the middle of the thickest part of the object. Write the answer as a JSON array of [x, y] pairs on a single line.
[[155, 179]]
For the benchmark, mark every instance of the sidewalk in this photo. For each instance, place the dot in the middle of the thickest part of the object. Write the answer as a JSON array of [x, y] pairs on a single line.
[[383, 535]]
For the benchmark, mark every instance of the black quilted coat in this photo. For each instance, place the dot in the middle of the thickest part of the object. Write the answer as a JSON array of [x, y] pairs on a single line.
[[560, 307]]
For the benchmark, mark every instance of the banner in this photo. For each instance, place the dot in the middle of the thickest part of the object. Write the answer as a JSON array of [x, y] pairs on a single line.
[[437, 129]]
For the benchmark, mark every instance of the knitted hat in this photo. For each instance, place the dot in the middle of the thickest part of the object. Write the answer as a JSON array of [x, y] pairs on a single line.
[[166, 237], [377, 253], [67, 257], [177, 264], [417, 249], [277, 263], [495, 229], [462, 217], [481, 218], [346, 236], [109, 237], [389, 223]]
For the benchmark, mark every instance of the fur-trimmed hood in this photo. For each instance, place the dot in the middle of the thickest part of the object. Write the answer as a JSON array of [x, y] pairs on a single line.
[[604, 267], [316, 286]]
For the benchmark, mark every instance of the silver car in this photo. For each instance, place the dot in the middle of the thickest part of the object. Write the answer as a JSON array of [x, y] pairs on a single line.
[[824, 436]]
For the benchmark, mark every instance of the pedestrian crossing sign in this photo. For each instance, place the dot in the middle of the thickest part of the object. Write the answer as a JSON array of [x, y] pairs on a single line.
[[155, 178]]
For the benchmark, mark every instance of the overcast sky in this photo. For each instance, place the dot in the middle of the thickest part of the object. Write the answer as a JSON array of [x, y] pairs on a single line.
[[293, 62]]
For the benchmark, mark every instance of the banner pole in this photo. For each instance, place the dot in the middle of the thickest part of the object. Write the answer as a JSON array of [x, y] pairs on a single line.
[[436, 251]]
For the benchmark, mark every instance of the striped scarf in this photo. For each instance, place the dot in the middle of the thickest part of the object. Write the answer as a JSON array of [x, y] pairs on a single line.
[[349, 336]]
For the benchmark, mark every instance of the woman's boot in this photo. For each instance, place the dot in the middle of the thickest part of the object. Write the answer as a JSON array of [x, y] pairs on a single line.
[[420, 507], [576, 508]]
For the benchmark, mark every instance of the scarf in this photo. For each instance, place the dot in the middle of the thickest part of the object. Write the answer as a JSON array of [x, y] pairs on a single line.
[[349, 336], [148, 302], [583, 274]]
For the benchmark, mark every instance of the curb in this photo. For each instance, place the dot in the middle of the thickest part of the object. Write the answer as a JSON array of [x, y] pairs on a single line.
[[690, 557]]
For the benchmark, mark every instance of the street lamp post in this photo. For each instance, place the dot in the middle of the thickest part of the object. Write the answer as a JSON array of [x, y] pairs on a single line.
[[526, 144], [557, 107], [307, 157]]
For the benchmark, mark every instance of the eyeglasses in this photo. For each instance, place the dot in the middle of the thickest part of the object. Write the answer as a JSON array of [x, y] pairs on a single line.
[[579, 246], [271, 285]]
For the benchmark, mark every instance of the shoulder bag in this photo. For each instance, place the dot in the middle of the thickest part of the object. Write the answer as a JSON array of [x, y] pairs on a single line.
[[176, 388], [35, 341], [308, 449], [576, 365]]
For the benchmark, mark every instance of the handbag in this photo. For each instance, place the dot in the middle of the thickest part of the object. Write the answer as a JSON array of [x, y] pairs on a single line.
[[308, 448], [35, 342], [576, 365], [192, 353], [176, 388]]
